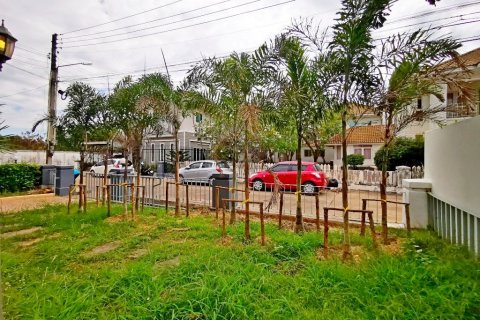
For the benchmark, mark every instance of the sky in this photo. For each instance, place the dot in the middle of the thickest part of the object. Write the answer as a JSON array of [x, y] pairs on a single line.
[[127, 37]]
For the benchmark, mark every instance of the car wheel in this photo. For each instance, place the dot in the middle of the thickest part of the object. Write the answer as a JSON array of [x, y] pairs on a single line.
[[258, 185], [309, 188], [210, 181]]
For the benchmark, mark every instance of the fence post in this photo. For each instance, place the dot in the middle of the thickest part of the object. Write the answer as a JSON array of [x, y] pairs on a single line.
[[84, 187], [317, 212], [280, 211], [325, 233], [188, 205], [372, 228], [224, 232], [109, 207], [97, 195], [217, 204], [262, 224], [166, 196], [407, 217], [362, 225]]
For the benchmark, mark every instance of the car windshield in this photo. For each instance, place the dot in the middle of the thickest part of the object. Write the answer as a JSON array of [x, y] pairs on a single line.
[[223, 165]]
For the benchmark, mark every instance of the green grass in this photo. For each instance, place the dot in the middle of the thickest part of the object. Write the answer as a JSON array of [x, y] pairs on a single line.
[[187, 272]]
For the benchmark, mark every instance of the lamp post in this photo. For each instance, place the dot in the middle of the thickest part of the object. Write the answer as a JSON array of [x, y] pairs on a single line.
[[7, 45]]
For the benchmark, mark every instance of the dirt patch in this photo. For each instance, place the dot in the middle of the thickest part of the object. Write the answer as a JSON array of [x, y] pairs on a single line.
[[17, 233], [28, 202], [394, 246], [336, 252], [137, 253], [28, 243], [178, 229], [168, 263], [104, 248]]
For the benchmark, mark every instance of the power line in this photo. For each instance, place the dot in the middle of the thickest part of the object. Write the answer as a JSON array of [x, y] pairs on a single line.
[[24, 91], [31, 51], [34, 74], [184, 27], [147, 22], [436, 11], [123, 18]]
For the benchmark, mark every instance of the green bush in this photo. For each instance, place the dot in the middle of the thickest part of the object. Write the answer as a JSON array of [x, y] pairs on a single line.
[[402, 152], [355, 160], [19, 177]]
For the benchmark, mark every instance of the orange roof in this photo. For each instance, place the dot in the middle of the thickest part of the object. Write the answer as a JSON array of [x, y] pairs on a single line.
[[361, 134], [469, 59]]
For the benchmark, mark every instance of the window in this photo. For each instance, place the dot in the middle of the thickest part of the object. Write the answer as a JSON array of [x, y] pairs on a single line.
[[357, 150], [419, 103], [223, 165], [367, 153], [152, 156], [280, 168], [198, 118], [171, 146], [339, 152], [364, 149], [162, 157], [207, 165], [195, 165], [307, 153]]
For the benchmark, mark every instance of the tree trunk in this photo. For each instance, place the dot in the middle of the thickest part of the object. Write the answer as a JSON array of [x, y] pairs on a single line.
[[125, 189], [298, 196], [137, 165], [346, 226], [383, 184], [247, 189], [177, 177], [82, 164], [105, 173], [233, 216]]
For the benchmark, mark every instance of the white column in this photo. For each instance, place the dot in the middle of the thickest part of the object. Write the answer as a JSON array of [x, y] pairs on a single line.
[[416, 193]]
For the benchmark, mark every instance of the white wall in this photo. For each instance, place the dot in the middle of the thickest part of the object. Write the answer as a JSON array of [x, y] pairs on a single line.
[[61, 158], [350, 150], [452, 157]]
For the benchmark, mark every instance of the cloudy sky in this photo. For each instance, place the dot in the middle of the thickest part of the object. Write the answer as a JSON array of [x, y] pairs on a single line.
[[122, 37]]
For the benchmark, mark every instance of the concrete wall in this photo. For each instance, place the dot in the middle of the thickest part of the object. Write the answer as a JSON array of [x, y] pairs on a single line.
[[60, 158], [452, 158]]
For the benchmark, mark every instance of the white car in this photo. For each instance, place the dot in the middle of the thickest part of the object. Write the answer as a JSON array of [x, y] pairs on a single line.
[[113, 166], [202, 171]]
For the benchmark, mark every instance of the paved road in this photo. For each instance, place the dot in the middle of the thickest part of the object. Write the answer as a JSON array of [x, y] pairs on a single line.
[[202, 195]]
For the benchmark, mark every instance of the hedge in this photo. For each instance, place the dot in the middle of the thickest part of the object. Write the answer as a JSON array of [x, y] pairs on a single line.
[[19, 177]]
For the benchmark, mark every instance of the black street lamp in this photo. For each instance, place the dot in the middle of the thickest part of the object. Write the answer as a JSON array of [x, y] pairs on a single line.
[[7, 45]]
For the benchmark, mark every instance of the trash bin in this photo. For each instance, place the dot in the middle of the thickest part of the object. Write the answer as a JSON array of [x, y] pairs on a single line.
[[63, 180], [160, 168], [221, 180], [48, 176], [116, 190]]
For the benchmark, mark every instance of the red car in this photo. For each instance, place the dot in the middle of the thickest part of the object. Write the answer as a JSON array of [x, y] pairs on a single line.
[[313, 178]]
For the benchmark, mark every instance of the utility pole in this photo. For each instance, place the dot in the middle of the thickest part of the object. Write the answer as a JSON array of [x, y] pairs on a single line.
[[52, 101]]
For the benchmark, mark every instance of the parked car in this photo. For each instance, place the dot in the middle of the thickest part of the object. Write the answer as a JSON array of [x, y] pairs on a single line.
[[313, 178], [202, 171], [113, 166]]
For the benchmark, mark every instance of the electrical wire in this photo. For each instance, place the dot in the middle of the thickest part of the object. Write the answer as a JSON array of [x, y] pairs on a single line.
[[23, 91], [34, 74], [123, 18], [184, 27]]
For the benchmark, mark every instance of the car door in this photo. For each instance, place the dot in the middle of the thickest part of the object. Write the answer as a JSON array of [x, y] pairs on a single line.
[[281, 170], [205, 171], [192, 172]]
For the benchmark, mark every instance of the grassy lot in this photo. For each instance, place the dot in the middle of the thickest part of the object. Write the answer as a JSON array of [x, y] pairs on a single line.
[[160, 267]]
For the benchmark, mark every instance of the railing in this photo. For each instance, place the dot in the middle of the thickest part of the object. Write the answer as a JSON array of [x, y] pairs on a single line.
[[458, 110], [454, 224], [200, 195]]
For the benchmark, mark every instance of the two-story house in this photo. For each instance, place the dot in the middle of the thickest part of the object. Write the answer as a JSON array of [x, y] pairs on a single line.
[[159, 146], [454, 107]]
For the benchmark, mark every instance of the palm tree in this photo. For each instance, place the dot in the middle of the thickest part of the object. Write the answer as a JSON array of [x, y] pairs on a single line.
[[300, 98], [4, 146], [413, 61]]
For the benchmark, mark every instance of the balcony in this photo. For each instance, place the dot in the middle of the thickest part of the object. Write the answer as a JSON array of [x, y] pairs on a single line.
[[460, 110]]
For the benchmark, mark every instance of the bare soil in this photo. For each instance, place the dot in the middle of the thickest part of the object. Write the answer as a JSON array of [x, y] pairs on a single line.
[[17, 233], [28, 202], [104, 248]]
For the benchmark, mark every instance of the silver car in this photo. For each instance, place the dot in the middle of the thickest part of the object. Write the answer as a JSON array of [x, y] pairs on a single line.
[[202, 171]]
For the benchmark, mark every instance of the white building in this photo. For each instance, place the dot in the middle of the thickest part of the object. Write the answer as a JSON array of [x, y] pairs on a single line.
[[456, 107]]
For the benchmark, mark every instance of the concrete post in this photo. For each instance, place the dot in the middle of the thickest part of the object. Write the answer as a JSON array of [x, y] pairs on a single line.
[[416, 193]]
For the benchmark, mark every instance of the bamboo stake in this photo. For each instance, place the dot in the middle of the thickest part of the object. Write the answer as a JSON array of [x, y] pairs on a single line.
[[317, 212], [362, 225], [262, 225], [280, 211], [188, 205], [325, 233]]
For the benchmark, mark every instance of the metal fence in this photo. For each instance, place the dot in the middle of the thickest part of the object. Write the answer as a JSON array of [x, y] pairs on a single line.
[[454, 224], [200, 195]]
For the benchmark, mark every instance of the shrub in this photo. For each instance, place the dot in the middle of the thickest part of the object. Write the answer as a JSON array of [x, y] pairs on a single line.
[[19, 177], [355, 160], [402, 152]]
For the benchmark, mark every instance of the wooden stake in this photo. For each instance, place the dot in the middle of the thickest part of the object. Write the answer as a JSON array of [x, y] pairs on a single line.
[[262, 225], [84, 187], [188, 204], [217, 204], [372, 228], [407, 216], [166, 197], [362, 225], [224, 231], [325, 233], [280, 211], [317, 212], [109, 207]]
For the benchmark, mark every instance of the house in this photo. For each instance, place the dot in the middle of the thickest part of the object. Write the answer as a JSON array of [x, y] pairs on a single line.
[[158, 147], [364, 140], [456, 107]]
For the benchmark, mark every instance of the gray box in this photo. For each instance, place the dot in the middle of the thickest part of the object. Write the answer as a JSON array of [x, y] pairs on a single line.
[[48, 176], [160, 168], [63, 180], [221, 180]]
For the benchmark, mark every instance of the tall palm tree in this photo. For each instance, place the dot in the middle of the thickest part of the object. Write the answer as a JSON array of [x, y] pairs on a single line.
[[300, 98], [413, 62]]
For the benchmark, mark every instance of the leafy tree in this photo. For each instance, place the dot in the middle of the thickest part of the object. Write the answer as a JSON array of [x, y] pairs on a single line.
[[402, 152], [300, 98], [318, 134], [408, 65], [355, 160]]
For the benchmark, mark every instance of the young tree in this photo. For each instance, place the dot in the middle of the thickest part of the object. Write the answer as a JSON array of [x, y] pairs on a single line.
[[300, 98], [408, 65], [80, 119], [318, 134]]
